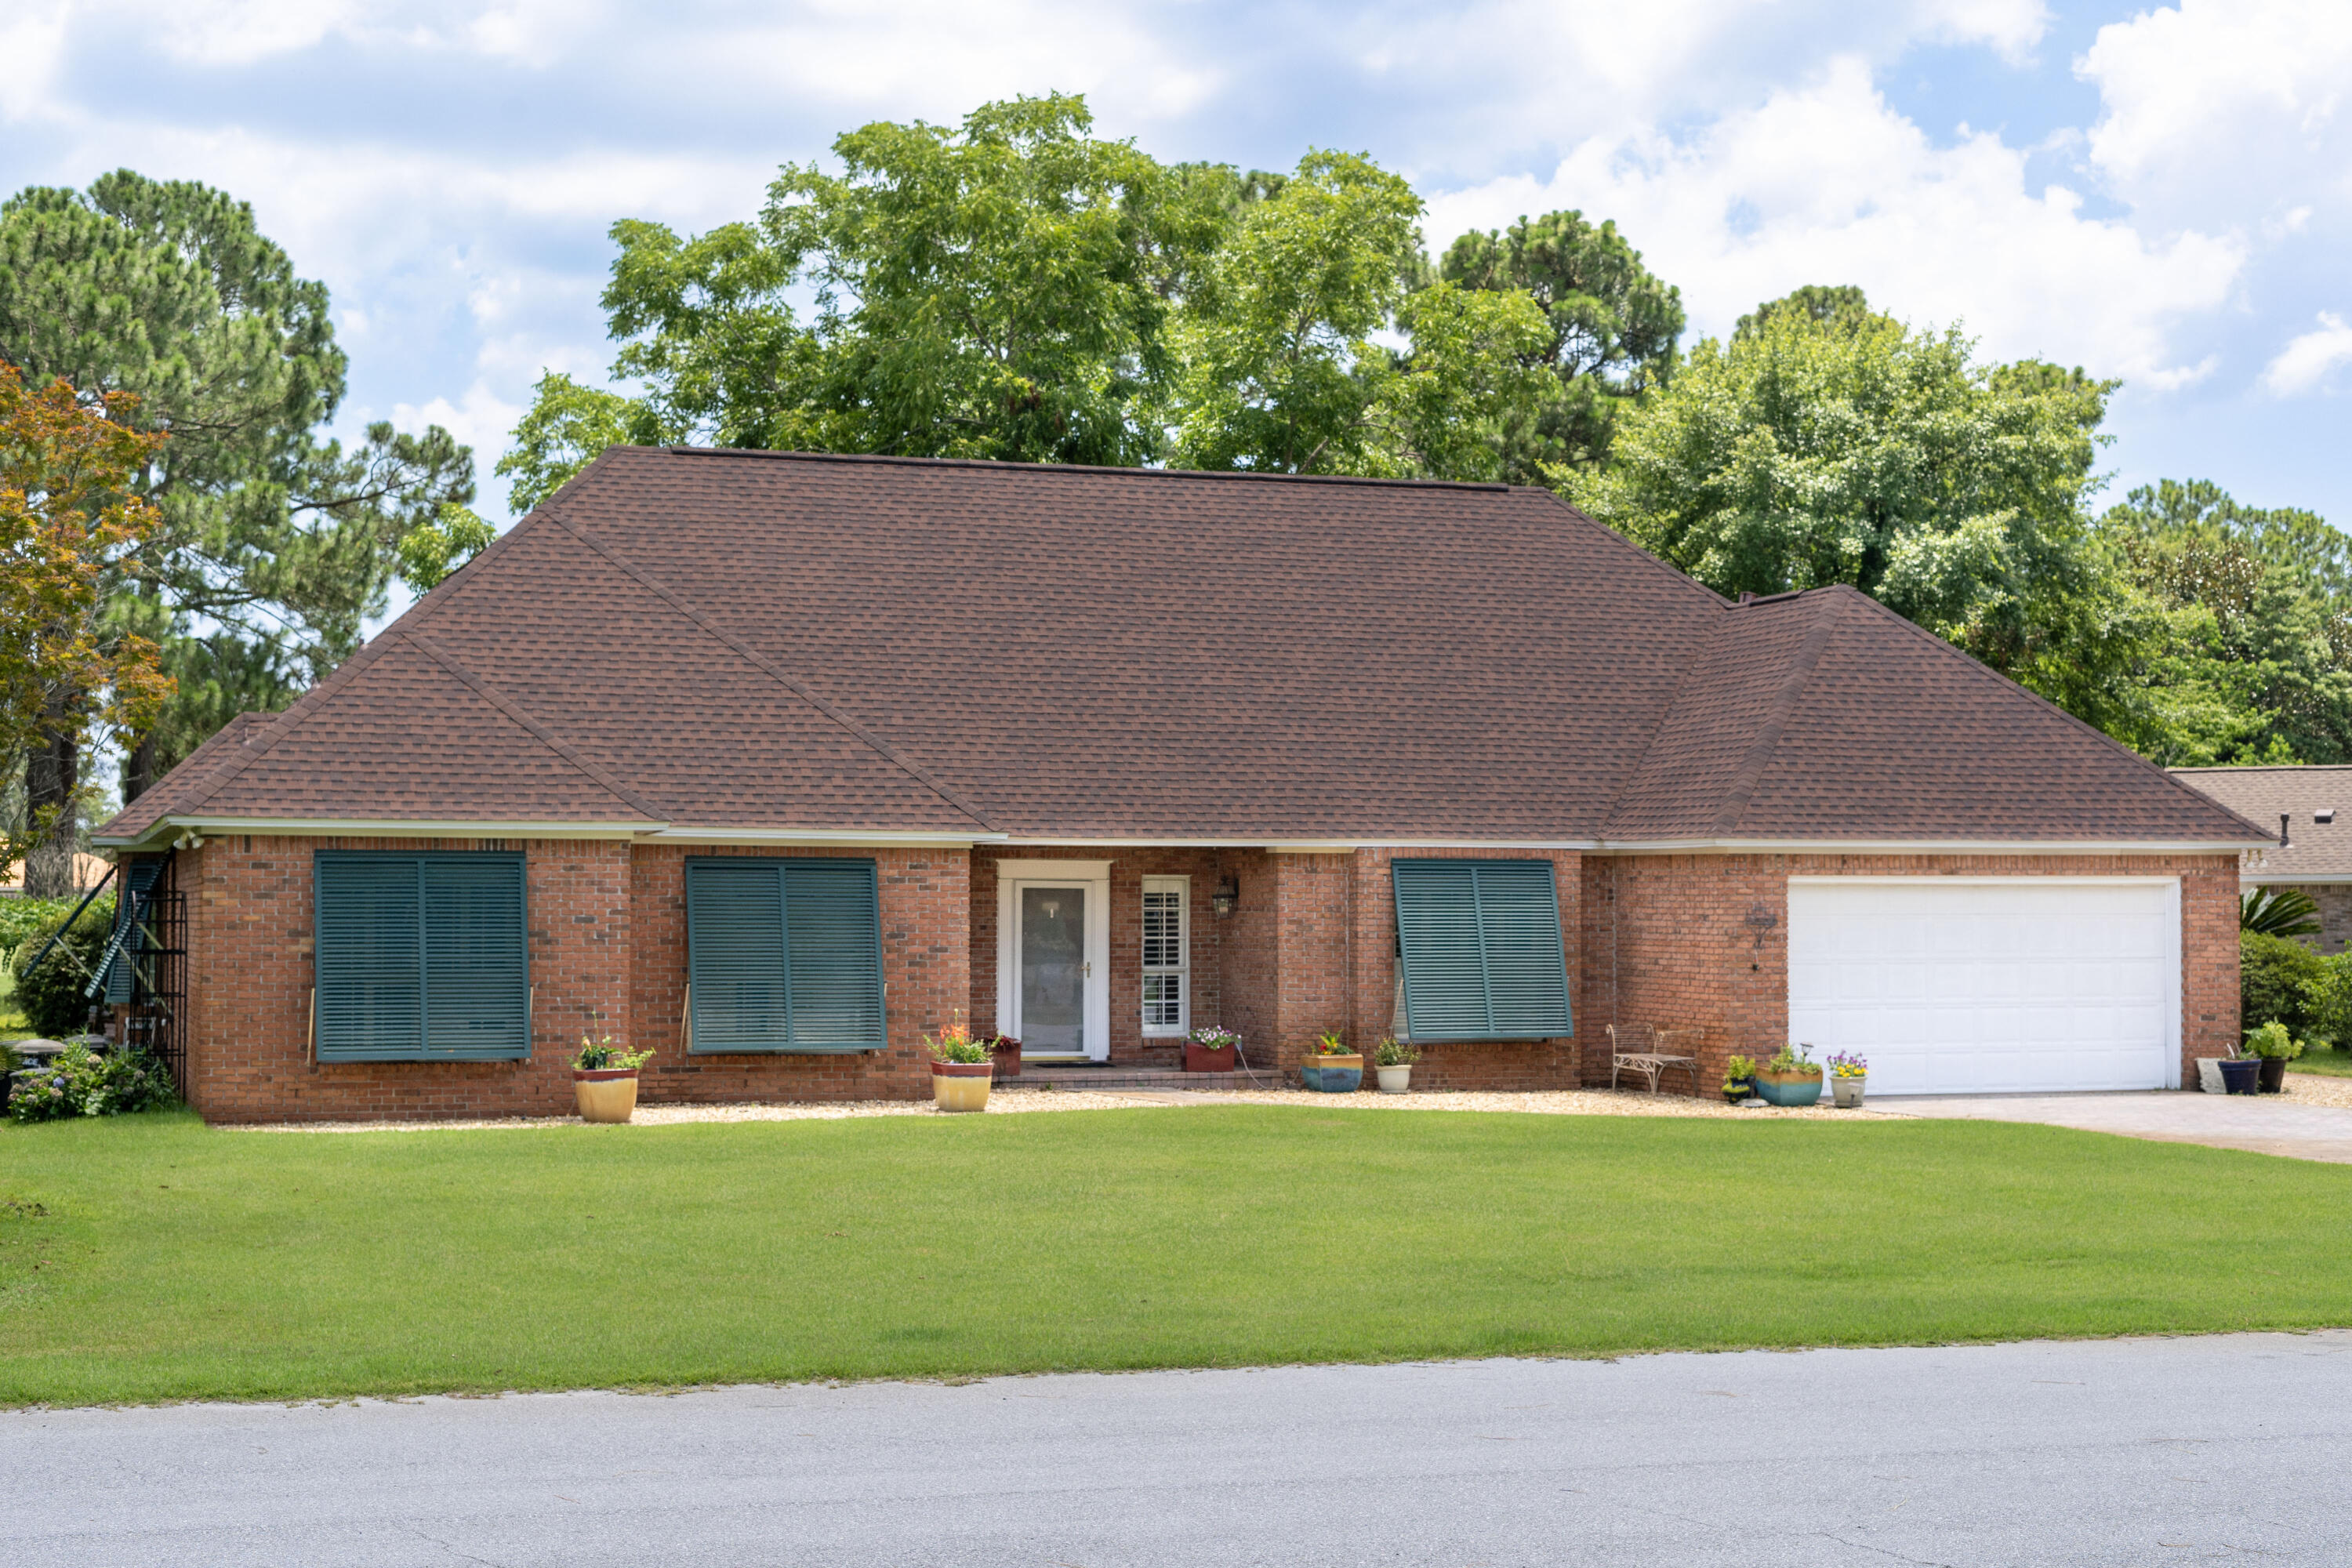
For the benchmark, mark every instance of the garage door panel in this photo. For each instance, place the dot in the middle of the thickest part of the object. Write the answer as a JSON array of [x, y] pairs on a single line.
[[1988, 987]]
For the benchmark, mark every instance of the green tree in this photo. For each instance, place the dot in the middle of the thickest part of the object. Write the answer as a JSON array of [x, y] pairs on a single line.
[[1824, 448], [1841, 305], [1611, 330], [270, 536], [2253, 662]]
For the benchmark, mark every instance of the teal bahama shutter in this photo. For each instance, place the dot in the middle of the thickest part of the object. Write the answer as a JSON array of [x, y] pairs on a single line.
[[1480, 950], [420, 957], [784, 955], [138, 881]]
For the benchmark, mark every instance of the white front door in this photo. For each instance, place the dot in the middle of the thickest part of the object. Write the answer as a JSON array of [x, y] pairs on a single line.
[[1054, 981], [1990, 985]]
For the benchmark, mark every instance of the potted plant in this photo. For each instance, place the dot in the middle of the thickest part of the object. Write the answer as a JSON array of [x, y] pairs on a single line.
[[1739, 1079], [1392, 1062], [2241, 1075], [2272, 1047], [1848, 1073], [1211, 1049], [1005, 1051], [1332, 1068], [1790, 1077], [961, 1068], [604, 1080]]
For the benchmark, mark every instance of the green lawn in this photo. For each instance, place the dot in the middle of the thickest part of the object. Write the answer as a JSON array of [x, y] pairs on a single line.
[[151, 1258], [2329, 1063]]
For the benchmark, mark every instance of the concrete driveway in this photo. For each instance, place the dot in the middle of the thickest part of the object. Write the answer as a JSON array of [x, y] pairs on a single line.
[[2265, 1125], [2104, 1454]]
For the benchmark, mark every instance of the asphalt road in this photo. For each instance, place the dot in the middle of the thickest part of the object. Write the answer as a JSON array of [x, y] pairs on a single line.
[[2122, 1452]]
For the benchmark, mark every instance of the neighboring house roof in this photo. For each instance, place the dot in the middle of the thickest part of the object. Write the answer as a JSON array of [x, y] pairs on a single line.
[[729, 643], [2316, 851]]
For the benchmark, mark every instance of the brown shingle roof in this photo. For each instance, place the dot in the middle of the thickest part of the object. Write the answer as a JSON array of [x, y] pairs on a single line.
[[761, 642], [2316, 850]]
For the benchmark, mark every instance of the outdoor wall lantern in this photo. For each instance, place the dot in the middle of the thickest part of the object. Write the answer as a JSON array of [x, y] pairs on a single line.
[[1228, 894]]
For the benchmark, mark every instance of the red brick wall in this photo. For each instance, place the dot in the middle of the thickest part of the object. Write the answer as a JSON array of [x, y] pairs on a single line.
[[925, 966], [606, 925], [1681, 939]]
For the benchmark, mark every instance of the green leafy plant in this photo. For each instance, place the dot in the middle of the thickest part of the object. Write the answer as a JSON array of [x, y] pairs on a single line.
[[51, 996], [1738, 1069], [1793, 1058], [1329, 1043], [956, 1044], [1213, 1038], [1396, 1053], [603, 1055], [2278, 912], [2273, 1042], [79, 1082], [2280, 978]]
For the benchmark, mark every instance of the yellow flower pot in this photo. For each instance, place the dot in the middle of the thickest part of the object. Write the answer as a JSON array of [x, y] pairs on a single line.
[[961, 1085], [604, 1094]]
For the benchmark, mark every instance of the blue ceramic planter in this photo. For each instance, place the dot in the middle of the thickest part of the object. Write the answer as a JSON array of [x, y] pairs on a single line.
[[1333, 1081], [1802, 1091]]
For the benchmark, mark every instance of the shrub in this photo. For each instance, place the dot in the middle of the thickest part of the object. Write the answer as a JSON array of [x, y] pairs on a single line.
[[2270, 1042], [1392, 1052], [2278, 978], [2328, 1002], [80, 1084], [51, 996]]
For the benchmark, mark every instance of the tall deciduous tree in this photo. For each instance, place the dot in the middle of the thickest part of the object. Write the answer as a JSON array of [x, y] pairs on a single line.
[[70, 524], [1611, 328], [274, 546], [1822, 449]]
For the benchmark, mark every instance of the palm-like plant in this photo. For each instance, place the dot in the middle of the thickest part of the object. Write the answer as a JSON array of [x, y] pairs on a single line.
[[2279, 911]]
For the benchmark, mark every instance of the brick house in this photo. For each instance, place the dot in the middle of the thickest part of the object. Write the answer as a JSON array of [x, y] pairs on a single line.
[[2310, 850], [774, 763]]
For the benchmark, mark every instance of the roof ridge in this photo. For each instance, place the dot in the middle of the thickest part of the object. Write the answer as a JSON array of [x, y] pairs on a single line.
[[514, 711], [760, 454], [679, 602], [1793, 681], [1657, 562]]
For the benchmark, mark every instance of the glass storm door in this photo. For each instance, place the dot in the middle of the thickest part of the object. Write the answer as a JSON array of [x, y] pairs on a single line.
[[1054, 971]]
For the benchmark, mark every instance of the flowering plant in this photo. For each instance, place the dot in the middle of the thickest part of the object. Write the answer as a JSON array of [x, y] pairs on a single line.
[[1213, 1038], [955, 1044], [1845, 1064], [603, 1055], [80, 1084], [1793, 1058], [1392, 1052], [1329, 1043]]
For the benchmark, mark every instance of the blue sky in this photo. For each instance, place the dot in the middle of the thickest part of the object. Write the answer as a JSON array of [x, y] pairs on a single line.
[[2164, 195]]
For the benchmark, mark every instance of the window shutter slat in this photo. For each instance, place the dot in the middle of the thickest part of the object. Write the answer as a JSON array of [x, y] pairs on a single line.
[[833, 952], [138, 880], [369, 958], [735, 955], [477, 986], [1481, 952]]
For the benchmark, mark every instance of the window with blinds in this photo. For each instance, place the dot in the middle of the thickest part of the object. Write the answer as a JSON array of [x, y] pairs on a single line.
[[783, 955], [420, 957], [1479, 950], [1167, 948]]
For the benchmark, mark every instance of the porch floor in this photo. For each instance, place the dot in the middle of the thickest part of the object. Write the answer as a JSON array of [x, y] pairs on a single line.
[[1034, 1075]]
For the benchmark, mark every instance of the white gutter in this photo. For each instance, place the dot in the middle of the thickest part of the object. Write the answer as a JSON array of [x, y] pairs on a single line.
[[787, 835], [1925, 846]]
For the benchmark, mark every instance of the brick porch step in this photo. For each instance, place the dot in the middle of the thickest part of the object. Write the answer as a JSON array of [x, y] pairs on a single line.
[[1034, 1076]]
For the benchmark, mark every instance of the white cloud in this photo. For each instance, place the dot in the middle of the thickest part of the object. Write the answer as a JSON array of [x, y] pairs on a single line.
[[481, 419], [1827, 183], [2232, 110], [2307, 361]]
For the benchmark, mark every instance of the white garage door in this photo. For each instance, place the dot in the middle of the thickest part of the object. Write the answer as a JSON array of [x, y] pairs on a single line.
[[1990, 985]]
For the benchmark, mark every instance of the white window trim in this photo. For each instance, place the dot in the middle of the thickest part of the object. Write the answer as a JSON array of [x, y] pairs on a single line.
[[1183, 888]]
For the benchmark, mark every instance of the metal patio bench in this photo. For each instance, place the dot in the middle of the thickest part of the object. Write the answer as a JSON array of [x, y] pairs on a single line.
[[1647, 1051]]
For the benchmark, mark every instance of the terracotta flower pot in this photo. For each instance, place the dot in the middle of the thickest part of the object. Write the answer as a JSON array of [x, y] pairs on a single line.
[[961, 1085], [1006, 1056], [1333, 1075], [1201, 1058], [604, 1094]]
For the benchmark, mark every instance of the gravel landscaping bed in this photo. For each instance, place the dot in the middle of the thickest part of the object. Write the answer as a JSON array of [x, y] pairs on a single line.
[[1014, 1101]]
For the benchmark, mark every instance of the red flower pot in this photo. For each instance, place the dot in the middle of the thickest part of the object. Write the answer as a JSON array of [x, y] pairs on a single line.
[[1006, 1055], [1201, 1058]]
